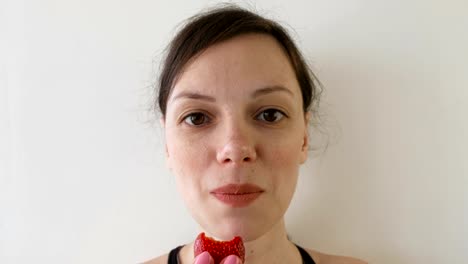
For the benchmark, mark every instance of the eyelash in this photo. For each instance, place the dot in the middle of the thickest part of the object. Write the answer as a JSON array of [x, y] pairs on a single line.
[[276, 111], [205, 116]]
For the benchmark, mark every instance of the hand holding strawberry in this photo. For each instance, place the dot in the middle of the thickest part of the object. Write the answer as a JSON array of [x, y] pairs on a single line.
[[210, 251], [206, 258]]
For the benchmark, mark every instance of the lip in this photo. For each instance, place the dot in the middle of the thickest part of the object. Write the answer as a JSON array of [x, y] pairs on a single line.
[[237, 195]]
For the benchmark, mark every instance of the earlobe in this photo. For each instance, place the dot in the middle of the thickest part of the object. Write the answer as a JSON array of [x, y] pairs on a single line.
[[305, 140], [305, 143], [162, 122], [168, 158], [305, 148]]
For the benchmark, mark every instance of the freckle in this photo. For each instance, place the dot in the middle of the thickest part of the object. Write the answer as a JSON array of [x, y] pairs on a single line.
[[251, 251]]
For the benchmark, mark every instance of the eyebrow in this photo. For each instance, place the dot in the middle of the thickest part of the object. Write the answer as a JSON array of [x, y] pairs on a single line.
[[194, 95], [259, 92], [271, 89]]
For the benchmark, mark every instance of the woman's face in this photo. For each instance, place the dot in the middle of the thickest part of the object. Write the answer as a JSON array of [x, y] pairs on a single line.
[[235, 116]]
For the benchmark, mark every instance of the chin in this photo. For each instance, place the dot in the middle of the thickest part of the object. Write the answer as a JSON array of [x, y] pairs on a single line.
[[248, 230]]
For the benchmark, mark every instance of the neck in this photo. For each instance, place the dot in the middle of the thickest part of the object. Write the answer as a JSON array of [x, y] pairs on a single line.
[[272, 247]]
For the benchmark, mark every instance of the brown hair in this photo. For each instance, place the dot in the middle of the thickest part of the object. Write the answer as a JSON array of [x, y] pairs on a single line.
[[223, 23]]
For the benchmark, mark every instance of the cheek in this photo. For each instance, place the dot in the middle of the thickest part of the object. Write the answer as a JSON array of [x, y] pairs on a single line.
[[188, 162], [284, 159], [284, 163], [184, 153], [186, 168], [285, 151]]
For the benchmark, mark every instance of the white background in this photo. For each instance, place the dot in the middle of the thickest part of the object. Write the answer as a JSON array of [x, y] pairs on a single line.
[[83, 176]]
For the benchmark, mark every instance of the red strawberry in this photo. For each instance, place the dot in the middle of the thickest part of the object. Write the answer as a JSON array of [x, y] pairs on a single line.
[[219, 249]]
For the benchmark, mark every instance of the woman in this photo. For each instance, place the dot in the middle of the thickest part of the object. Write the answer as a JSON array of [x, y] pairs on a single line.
[[236, 99]]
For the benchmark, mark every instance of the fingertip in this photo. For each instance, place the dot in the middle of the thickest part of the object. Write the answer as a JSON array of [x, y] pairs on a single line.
[[204, 258], [231, 259]]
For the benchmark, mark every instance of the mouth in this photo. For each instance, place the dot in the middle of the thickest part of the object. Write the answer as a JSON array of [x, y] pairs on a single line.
[[237, 195]]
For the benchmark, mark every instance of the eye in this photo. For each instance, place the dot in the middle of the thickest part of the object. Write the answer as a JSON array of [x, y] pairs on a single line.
[[270, 115], [196, 119]]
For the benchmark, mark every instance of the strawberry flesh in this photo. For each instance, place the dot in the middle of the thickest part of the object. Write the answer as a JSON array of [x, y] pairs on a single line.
[[219, 249]]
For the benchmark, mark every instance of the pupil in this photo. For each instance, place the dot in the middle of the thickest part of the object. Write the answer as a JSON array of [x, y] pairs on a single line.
[[197, 119], [269, 115]]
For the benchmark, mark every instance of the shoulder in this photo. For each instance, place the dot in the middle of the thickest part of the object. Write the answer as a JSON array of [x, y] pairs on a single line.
[[322, 258], [159, 260]]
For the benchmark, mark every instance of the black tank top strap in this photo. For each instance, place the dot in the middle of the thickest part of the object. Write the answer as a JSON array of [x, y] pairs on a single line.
[[173, 255], [306, 258]]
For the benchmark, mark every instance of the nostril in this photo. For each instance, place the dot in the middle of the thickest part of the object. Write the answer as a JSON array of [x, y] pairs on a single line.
[[233, 153], [246, 159]]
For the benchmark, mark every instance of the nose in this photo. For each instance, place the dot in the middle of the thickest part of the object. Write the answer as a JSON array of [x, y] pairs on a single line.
[[239, 148]]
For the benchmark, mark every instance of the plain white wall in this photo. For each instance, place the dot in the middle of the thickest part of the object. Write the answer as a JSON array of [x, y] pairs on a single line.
[[83, 177]]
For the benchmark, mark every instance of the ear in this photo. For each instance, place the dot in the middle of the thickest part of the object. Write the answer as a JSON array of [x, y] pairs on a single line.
[[305, 139], [162, 122]]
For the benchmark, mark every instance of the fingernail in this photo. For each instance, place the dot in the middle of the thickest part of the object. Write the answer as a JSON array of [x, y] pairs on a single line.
[[232, 260], [203, 258]]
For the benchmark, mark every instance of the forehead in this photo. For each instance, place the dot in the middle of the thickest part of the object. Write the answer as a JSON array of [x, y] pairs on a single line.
[[244, 62]]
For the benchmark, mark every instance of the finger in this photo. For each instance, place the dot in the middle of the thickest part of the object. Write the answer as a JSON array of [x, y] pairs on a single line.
[[204, 258], [231, 259]]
